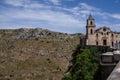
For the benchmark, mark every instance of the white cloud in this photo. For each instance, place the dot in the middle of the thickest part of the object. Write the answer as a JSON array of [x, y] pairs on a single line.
[[25, 3], [51, 16], [55, 2], [117, 16], [85, 6], [55, 18], [15, 2]]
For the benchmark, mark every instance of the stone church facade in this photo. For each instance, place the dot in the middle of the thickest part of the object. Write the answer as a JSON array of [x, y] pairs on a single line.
[[103, 36]]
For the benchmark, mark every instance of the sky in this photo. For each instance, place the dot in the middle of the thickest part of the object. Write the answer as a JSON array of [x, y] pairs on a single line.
[[68, 16]]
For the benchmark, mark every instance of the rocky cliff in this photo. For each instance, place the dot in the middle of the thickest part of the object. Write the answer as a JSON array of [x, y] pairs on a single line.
[[35, 54]]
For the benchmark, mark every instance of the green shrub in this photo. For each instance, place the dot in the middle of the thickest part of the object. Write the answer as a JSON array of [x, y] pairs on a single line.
[[85, 64], [67, 76]]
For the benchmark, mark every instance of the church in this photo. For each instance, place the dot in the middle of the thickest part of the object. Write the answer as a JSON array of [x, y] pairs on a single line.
[[102, 36]]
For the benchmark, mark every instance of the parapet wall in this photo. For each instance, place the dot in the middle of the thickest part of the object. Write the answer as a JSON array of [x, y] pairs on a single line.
[[115, 75]]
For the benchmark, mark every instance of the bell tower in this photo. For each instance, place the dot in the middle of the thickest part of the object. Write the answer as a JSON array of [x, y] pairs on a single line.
[[90, 31]]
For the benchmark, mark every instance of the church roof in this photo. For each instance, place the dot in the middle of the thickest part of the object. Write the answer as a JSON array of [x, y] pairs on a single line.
[[107, 28], [90, 17]]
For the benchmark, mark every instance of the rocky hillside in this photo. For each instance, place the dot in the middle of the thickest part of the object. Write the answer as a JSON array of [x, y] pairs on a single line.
[[35, 54]]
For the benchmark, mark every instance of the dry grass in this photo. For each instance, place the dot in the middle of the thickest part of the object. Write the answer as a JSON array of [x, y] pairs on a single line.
[[31, 59]]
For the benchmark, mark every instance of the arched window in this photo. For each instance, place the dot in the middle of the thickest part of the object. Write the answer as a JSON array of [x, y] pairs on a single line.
[[116, 42], [112, 35], [97, 35], [91, 23], [107, 33], [112, 43], [104, 29], [91, 31], [101, 33]]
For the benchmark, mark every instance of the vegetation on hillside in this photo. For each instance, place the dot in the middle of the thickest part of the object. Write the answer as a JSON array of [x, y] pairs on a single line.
[[85, 64], [35, 54]]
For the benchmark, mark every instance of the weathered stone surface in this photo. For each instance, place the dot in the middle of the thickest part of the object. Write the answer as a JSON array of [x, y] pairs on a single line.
[[33, 54], [115, 75]]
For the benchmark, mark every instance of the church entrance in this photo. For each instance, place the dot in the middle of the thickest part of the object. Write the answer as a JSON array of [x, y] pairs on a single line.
[[105, 42]]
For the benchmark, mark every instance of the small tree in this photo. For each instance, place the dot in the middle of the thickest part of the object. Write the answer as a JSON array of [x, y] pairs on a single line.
[[84, 65], [67, 76]]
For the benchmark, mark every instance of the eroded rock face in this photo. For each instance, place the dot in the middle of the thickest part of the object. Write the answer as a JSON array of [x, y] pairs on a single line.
[[40, 53], [35, 54], [37, 33]]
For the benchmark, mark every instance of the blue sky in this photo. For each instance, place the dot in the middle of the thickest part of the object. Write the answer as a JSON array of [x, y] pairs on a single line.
[[67, 16]]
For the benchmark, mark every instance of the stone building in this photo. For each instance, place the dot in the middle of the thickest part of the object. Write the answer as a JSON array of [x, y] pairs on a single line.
[[103, 36]]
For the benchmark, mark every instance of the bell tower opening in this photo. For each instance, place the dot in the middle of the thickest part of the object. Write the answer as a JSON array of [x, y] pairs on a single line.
[[91, 23], [91, 31]]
